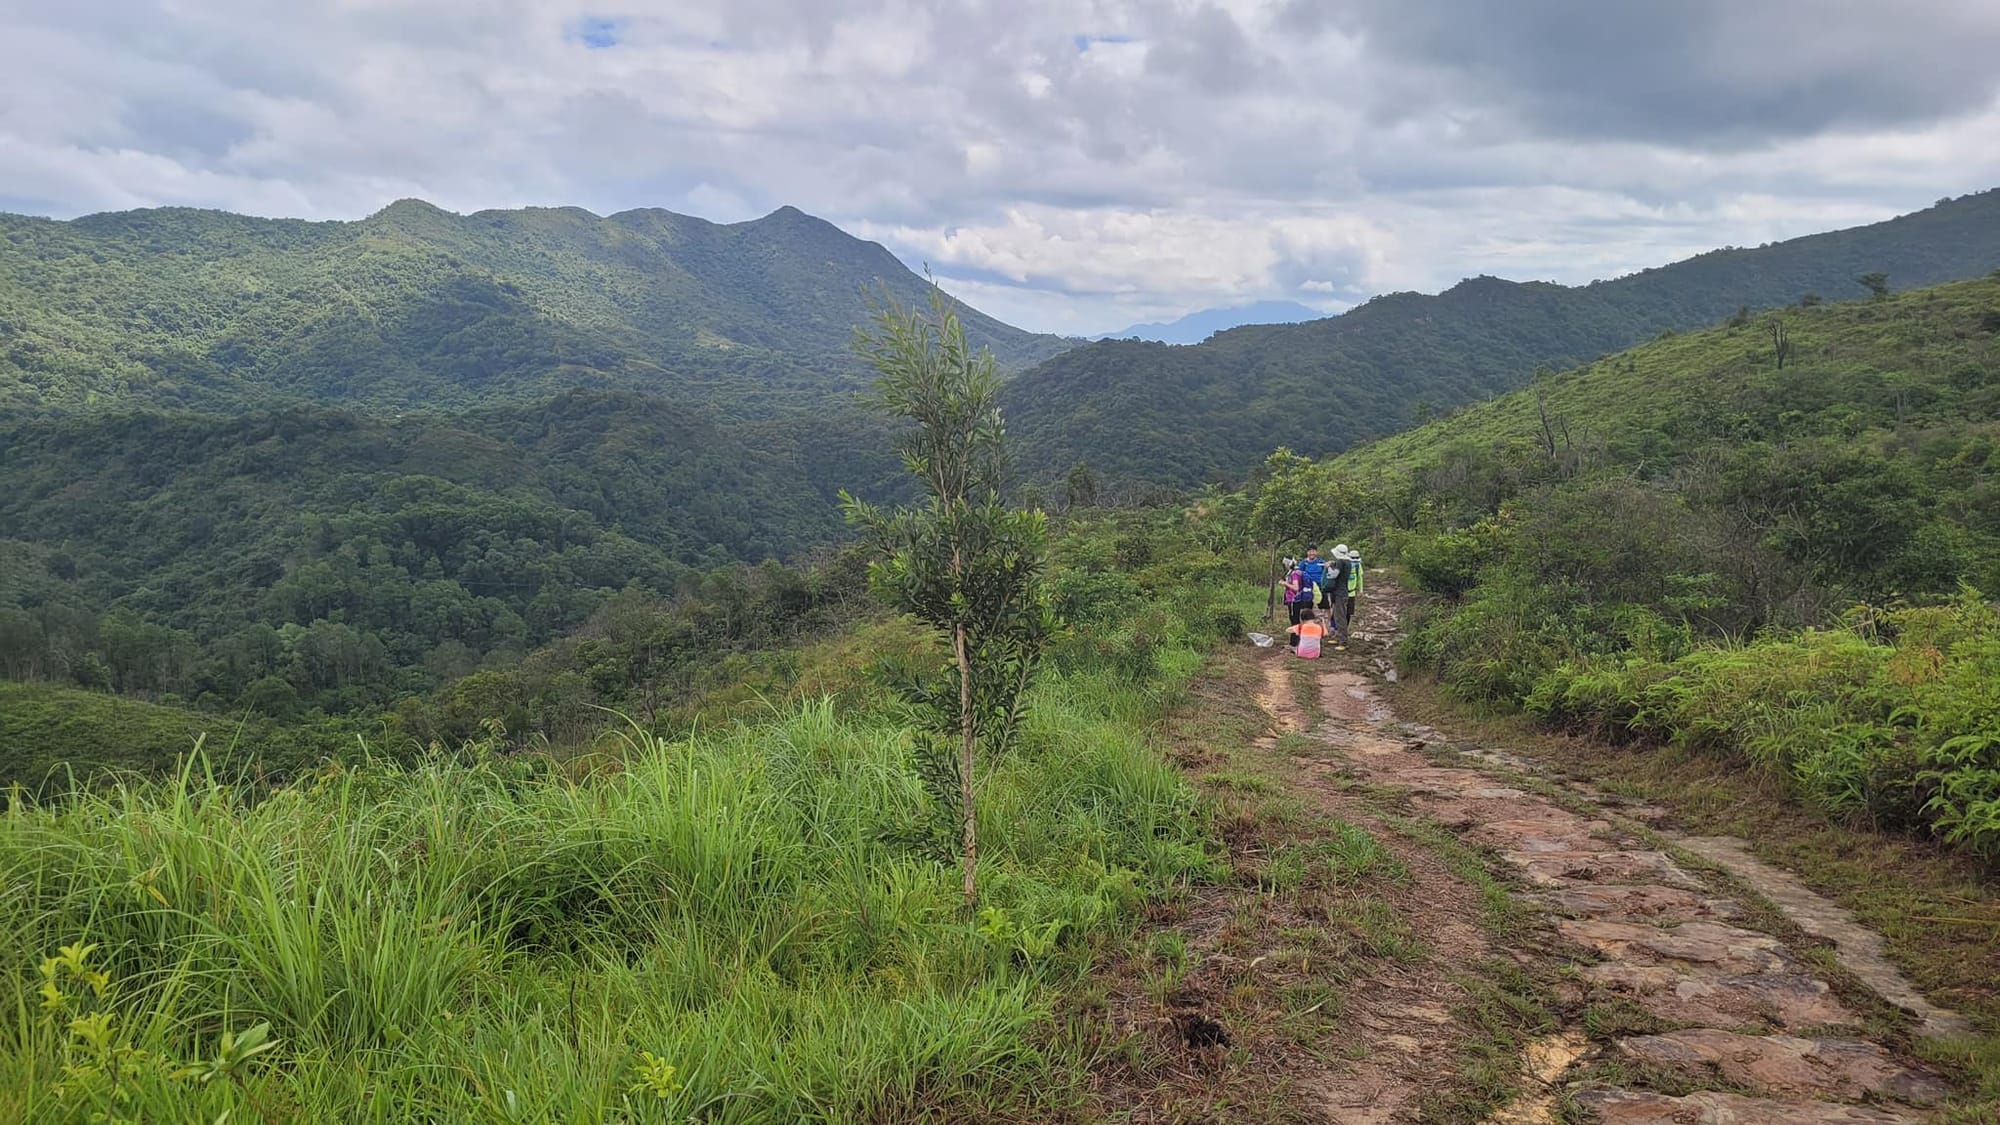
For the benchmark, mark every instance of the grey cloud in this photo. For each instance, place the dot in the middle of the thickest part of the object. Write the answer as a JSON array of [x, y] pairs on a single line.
[[1702, 73], [185, 129], [1208, 49]]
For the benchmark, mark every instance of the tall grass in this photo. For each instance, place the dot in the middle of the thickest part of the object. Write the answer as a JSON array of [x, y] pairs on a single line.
[[723, 927]]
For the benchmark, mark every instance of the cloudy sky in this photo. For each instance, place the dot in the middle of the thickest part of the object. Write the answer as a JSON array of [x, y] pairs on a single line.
[[1070, 166]]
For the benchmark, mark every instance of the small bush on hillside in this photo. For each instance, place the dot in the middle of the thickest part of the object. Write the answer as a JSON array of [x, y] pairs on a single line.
[[1132, 550], [1227, 622], [1449, 563], [1088, 597]]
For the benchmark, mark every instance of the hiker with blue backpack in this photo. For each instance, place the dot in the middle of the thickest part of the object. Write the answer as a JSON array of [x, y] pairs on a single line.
[[1313, 570], [1298, 595]]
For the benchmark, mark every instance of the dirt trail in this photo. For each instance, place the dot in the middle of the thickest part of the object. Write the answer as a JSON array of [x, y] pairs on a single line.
[[1747, 1030]]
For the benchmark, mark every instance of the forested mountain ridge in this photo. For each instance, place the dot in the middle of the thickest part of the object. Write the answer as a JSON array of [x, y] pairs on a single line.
[[1157, 414], [408, 548], [418, 307], [358, 553], [1861, 464]]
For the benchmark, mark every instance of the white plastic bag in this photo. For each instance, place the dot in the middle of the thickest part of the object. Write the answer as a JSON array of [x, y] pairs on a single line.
[[1262, 640]]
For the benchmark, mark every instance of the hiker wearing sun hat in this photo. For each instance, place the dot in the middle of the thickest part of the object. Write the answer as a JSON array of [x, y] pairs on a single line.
[[1354, 589], [1339, 580], [1353, 605]]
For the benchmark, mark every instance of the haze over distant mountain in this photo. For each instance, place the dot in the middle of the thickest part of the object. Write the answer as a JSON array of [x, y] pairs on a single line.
[[1152, 414], [1198, 326], [415, 307]]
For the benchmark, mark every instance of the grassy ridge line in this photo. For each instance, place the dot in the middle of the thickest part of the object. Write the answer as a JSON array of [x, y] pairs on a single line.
[[418, 308], [47, 732], [725, 925], [1630, 400]]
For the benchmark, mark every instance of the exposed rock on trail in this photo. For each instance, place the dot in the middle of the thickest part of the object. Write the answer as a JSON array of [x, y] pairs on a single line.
[[1860, 948], [1630, 1107], [1782, 1064], [1746, 1030]]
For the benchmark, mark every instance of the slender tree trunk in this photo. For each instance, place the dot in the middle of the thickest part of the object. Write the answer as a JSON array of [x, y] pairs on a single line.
[[1271, 592], [969, 852]]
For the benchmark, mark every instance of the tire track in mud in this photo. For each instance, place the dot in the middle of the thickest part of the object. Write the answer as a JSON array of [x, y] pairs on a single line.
[[1742, 1029]]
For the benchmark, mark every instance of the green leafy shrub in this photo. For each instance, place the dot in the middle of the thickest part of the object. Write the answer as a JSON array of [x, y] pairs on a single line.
[[1090, 597], [1449, 563], [1895, 722], [1227, 622]]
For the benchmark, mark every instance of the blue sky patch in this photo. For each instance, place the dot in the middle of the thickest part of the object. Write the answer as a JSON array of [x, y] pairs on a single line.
[[598, 32], [1085, 42]]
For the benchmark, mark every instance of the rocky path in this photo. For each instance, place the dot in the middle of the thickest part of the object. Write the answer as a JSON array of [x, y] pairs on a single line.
[[1745, 1029]]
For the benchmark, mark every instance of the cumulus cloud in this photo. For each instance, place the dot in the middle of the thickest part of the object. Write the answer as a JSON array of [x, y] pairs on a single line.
[[1071, 164]]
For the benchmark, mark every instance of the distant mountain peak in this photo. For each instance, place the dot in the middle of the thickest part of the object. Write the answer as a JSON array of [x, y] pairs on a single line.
[[789, 220], [1198, 326], [450, 310], [411, 206]]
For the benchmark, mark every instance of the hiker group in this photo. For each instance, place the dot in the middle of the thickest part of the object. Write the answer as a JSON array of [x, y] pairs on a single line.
[[1320, 596]]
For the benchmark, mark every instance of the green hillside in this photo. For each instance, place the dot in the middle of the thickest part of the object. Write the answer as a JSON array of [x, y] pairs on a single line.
[[415, 307], [360, 556], [742, 925], [1686, 543], [49, 733], [1884, 410], [1183, 415]]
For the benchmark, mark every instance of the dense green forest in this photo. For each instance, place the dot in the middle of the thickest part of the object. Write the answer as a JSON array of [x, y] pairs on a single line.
[[312, 558], [301, 467], [1765, 539], [1157, 414], [418, 308]]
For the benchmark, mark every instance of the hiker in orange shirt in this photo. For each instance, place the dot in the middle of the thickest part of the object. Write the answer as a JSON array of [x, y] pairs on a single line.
[[1305, 637]]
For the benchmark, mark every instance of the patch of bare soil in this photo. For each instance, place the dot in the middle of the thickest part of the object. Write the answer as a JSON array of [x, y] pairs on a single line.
[[1300, 997], [1216, 1013], [1403, 1028], [1750, 1032], [1279, 706]]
